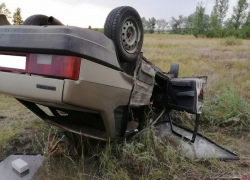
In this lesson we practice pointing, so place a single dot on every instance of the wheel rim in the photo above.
(130, 36)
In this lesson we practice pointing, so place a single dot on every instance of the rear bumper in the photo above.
(25, 87)
(99, 89)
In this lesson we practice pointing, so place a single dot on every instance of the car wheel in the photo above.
(174, 69)
(36, 20)
(124, 26)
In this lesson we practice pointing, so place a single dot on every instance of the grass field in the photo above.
(226, 118)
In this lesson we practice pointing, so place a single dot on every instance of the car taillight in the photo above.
(67, 67)
(201, 92)
(63, 67)
(201, 95)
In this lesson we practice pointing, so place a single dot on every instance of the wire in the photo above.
(160, 115)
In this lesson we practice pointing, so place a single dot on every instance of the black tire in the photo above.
(124, 26)
(174, 69)
(36, 20)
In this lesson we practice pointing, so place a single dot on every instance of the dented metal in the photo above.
(144, 81)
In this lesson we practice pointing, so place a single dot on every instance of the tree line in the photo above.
(213, 25)
(151, 25)
(16, 18)
(198, 23)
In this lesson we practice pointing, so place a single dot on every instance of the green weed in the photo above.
(227, 109)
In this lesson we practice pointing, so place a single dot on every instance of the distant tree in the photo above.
(200, 21)
(239, 14)
(5, 10)
(223, 6)
(214, 22)
(89, 27)
(247, 22)
(216, 7)
(245, 29)
(17, 18)
(219, 13)
(228, 24)
(182, 25)
(214, 18)
(151, 24)
(144, 24)
(186, 25)
(161, 25)
(189, 22)
(164, 25)
(176, 24)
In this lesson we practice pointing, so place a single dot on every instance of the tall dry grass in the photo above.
(227, 68)
(231, 41)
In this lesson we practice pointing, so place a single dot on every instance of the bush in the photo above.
(151, 31)
(243, 33)
(227, 109)
(216, 33)
(231, 41)
(201, 36)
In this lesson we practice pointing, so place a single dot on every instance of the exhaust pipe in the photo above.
(3, 20)
(54, 21)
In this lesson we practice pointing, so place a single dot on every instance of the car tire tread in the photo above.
(37, 19)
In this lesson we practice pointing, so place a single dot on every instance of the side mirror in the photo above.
(174, 70)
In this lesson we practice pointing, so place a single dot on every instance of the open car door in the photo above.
(186, 94)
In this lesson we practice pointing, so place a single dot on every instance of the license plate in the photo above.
(13, 62)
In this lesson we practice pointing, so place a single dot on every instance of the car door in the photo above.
(186, 94)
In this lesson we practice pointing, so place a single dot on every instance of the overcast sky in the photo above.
(83, 13)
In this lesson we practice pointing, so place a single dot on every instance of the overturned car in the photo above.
(97, 85)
